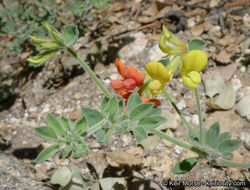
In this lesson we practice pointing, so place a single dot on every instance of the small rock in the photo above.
(190, 23)
(178, 149)
(243, 69)
(137, 43)
(14, 175)
(236, 84)
(214, 3)
(171, 121)
(181, 104)
(233, 173)
(195, 119)
(215, 32)
(115, 76)
(77, 96)
(155, 53)
(33, 115)
(246, 20)
(198, 30)
(75, 115)
(46, 108)
(223, 57)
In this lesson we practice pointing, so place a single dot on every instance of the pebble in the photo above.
(195, 119)
(134, 48)
(178, 149)
(46, 108)
(155, 53)
(243, 69)
(236, 84)
(246, 138)
(181, 104)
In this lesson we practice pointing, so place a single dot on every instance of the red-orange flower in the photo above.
(131, 79)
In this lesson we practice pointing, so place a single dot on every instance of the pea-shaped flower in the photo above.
(160, 74)
(193, 63)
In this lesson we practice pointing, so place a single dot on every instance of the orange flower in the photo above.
(131, 79)
(155, 101)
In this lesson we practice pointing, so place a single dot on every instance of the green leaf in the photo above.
(66, 152)
(100, 136)
(70, 34)
(113, 106)
(227, 155)
(223, 137)
(104, 104)
(151, 122)
(141, 111)
(93, 116)
(134, 100)
(46, 153)
(229, 146)
(46, 133)
(81, 149)
(66, 123)
(212, 134)
(140, 134)
(184, 166)
(62, 176)
(55, 124)
(81, 125)
(121, 104)
(8, 27)
(156, 111)
(43, 57)
(196, 44)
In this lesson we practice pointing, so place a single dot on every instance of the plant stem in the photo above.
(197, 97)
(95, 128)
(88, 69)
(176, 141)
(180, 114)
(230, 163)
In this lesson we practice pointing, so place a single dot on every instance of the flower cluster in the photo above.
(131, 79)
(158, 73)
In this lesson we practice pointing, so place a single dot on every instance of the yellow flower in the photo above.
(156, 86)
(161, 74)
(193, 63)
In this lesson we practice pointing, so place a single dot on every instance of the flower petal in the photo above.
(195, 60)
(129, 84)
(156, 86)
(120, 68)
(157, 71)
(155, 101)
(132, 73)
(116, 84)
(188, 82)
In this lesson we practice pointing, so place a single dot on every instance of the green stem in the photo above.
(197, 97)
(95, 128)
(176, 141)
(88, 69)
(230, 163)
(180, 114)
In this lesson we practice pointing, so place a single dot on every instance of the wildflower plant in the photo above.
(138, 111)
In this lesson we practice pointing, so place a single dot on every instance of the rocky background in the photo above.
(130, 30)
